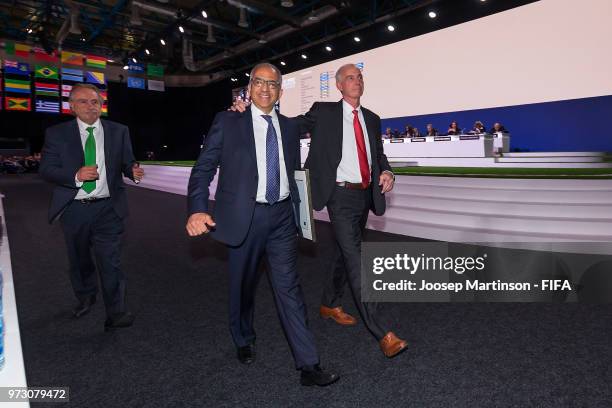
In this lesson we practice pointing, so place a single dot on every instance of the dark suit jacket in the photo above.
(324, 122)
(230, 144)
(62, 156)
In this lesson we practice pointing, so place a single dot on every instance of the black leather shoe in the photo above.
(246, 354)
(118, 320)
(84, 306)
(316, 376)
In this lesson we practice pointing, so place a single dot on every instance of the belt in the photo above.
(278, 202)
(352, 186)
(92, 200)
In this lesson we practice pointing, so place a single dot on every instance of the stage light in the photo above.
(147, 51)
(181, 29)
(328, 48)
(83, 39)
(357, 39)
(304, 56)
(125, 67)
(204, 14)
(432, 14)
(247, 74)
(134, 60)
(29, 31)
(161, 40)
(110, 60)
(283, 63)
(391, 27)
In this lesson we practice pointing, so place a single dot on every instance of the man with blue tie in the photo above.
(256, 208)
(86, 159)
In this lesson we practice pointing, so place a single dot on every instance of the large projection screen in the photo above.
(551, 50)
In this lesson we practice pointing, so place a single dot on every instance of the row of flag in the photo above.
(66, 57)
(51, 86)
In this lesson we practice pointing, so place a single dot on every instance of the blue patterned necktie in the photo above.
(272, 163)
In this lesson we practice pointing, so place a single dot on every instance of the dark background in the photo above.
(177, 118)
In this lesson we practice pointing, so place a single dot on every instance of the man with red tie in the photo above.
(349, 175)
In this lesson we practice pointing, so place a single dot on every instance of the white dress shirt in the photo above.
(348, 169)
(260, 130)
(101, 189)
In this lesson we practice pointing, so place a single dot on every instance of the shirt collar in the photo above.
(348, 108)
(83, 126)
(256, 112)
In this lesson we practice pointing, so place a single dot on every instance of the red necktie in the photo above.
(364, 167)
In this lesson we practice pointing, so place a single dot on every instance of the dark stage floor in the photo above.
(179, 352)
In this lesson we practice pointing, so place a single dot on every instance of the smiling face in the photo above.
(263, 93)
(86, 105)
(350, 83)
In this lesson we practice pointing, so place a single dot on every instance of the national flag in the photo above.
(22, 50)
(155, 70)
(96, 62)
(16, 68)
(17, 104)
(104, 110)
(156, 85)
(41, 55)
(9, 47)
(74, 75)
(16, 85)
(66, 90)
(46, 89)
(95, 77)
(136, 68)
(104, 94)
(43, 105)
(45, 71)
(137, 83)
(72, 58)
(66, 107)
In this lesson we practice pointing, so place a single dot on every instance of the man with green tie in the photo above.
(86, 159)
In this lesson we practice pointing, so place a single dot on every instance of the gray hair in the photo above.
(94, 88)
(339, 71)
(267, 65)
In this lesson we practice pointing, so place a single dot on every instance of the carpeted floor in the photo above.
(179, 352)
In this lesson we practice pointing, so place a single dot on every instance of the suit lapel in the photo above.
(372, 133)
(108, 144)
(246, 125)
(338, 130)
(288, 154)
(75, 143)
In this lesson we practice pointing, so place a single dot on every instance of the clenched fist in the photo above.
(199, 223)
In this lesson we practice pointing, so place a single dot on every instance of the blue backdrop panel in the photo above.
(571, 125)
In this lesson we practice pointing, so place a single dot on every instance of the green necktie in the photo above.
(90, 158)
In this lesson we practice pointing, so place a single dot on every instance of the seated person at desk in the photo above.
(388, 134)
(411, 132)
(498, 127)
(454, 129)
(478, 128)
(431, 131)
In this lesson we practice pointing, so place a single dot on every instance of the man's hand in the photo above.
(87, 173)
(238, 106)
(137, 172)
(199, 223)
(386, 181)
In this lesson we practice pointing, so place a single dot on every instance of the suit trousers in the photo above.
(272, 232)
(348, 212)
(96, 226)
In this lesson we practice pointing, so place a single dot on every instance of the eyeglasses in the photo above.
(259, 82)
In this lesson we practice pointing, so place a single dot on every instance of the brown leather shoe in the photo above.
(338, 315)
(391, 345)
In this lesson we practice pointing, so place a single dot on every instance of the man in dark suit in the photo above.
(349, 175)
(85, 158)
(256, 204)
